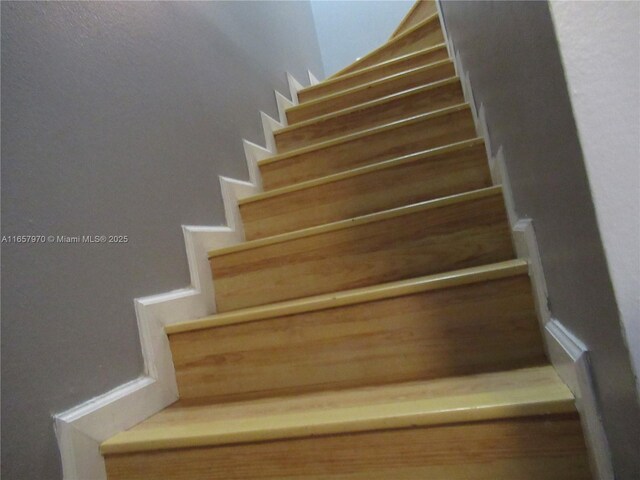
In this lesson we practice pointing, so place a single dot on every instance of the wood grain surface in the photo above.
(507, 394)
(420, 10)
(423, 132)
(420, 336)
(549, 448)
(435, 96)
(374, 90)
(402, 181)
(430, 237)
(390, 67)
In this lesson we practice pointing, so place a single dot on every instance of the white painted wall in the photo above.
(600, 49)
(348, 30)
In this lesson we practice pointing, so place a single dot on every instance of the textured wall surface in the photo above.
(511, 52)
(117, 118)
(606, 105)
(348, 29)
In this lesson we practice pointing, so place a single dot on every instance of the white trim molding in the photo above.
(283, 103)
(82, 429)
(313, 80)
(568, 355)
(294, 87)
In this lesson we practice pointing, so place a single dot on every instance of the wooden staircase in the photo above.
(376, 323)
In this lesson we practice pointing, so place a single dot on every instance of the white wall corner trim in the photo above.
(569, 356)
(81, 429)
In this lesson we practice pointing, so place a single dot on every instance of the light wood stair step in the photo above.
(501, 426)
(422, 132)
(418, 12)
(511, 393)
(453, 232)
(426, 33)
(398, 331)
(400, 181)
(434, 96)
(376, 72)
(406, 80)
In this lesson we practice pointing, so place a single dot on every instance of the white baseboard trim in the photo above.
(312, 78)
(283, 103)
(81, 429)
(572, 361)
(294, 88)
(568, 355)
(269, 125)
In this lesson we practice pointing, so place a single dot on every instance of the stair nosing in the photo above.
(365, 86)
(400, 59)
(399, 288)
(371, 131)
(369, 104)
(354, 172)
(391, 41)
(360, 220)
(517, 402)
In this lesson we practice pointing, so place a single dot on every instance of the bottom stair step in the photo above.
(518, 424)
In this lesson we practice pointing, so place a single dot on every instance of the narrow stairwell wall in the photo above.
(511, 54)
(117, 118)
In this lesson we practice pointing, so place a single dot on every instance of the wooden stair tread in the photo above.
(419, 10)
(363, 106)
(396, 138)
(394, 81)
(396, 106)
(431, 172)
(379, 53)
(413, 157)
(366, 294)
(368, 85)
(364, 133)
(451, 232)
(387, 68)
(509, 394)
(373, 217)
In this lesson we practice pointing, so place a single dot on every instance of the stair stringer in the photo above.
(568, 355)
(81, 429)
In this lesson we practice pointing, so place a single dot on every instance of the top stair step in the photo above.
(417, 77)
(376, 72)
(427, 33)
(418, 12)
